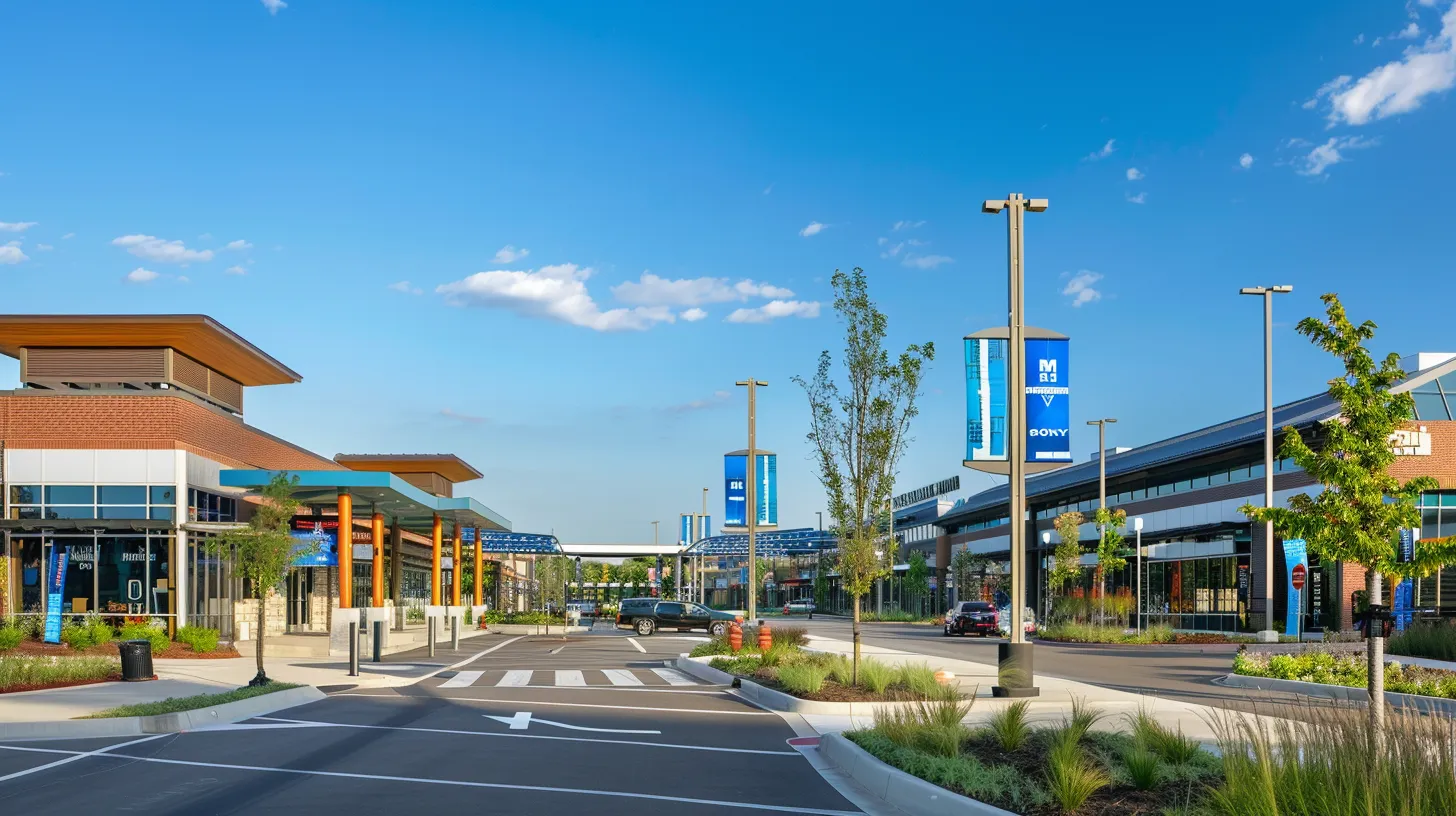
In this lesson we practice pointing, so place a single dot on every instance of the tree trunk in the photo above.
(855, 669)
(1375, 652)
(261, 677)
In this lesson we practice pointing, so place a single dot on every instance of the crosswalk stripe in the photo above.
(674, 677)
(516, 677)
(463, 679)
(566, 677)
(622, 677)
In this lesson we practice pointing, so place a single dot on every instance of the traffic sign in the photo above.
(1296, 577)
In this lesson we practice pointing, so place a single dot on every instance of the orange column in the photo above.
(378, 567)
(479, 570)
(346, 551)
(455, 569)
(438, 539)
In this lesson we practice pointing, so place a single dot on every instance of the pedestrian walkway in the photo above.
(567, 678)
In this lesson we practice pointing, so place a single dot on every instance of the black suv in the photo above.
(647, 615)
(972, 616)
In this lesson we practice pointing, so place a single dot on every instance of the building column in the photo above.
(437, 538)
(396, 562)
(455, 568)
(376, 574)
(479, 596)
(346, 550)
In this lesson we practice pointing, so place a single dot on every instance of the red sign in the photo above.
(1296, 577)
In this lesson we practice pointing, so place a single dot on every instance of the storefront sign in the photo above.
(1407, 551)
(317, 545)
(55, 590)
(1411, 443)
(1294, 556)
(1317, 598)
(921, 494)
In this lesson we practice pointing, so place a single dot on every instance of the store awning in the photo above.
(376, 492)
(772, 544)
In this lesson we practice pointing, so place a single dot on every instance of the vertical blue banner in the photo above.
(707, 528)
(1048, 402)
(685, 530)
(735, 493)
(1294, 555)
(985, 400)
(55, 591)
(766, 496)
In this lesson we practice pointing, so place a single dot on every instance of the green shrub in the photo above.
(934, 728)
(782, 655)
(1071, 776)
(91, 631)
(1083, 718)
(1142, 767)
(841, 668)
(1010, 727)
(38, 670)
(1001, 785)
(875, 676)
(801, 678)
(10, 637)
(199, 638)
(142, 631)
(919, 679)
(1170, 745)
(744, 665)
(30, 624)
(790, 635)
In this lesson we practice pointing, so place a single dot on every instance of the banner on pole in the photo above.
(55, 591)
(1295, 555)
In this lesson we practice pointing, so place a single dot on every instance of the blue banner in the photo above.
(766, 496)
(55, 591)
(1294, 555)
(317, 546)
(735, 496)
(1048, 402)
(707, 528)
(1403, 604)
(985, 400)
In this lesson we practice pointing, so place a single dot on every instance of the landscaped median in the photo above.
(1319, 672)
(169, 715)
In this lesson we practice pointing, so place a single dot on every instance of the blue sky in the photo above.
(549, 237)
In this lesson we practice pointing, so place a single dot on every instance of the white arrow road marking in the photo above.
(523, 720)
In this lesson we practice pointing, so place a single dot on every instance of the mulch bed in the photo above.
(833, 692)
(175, 651)
(44, 686)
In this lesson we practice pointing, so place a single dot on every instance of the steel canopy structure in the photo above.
(806, 541)
(376, 491)
(492, 541)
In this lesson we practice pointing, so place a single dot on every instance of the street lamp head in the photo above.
(1283, 290)
(1252, 290)
(1046, 537)
(1036, 204)
(993, 207)
(1137, 524)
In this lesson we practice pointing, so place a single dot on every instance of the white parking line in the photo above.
(516, 677)
(452, 782)
(462, 700)
(75, 756)
(622, 677)
(674, 677)
(634, 642)
(463, 679)
(570, 678)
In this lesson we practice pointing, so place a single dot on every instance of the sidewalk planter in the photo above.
(534, 629)
(775, 700)
(162, 723)
(1356, 694)
(893, 786)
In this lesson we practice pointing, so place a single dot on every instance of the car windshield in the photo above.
(976, 606)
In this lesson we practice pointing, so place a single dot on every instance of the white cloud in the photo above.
(44, 247)
(651, 290)
(509, 254)
(916, 242)
(1140, 198)
(239, 245)
(1079, 288)
(68, 236)
(718, 398)
(1410, 32)
(899, 225)
(1329, 153)
(274, 6)
(1325, 90)
(1359, 38)
(1399, 87)
(890, 250)
(236, 270)
(1107, 150)
(693, 315)
(814, 228)
(183, 279)
(1134, 174)
(156, 249)
(775, 309)
(926, 261)
(10, 253)
(405, 287)
(554, 292)
(1246, 161)
(16, 226)
(140, 275)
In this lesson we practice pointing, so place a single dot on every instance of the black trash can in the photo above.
(136, 660)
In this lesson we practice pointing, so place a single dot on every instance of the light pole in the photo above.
(1268, 293)
(1015, 657)
(1049, 561)
(1101, 486)
(750, 511)
(702, 533)
(1137, 526)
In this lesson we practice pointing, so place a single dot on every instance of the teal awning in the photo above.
(377, 492)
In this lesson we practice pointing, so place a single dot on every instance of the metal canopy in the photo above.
(774, 544)
(376, 492)
(513, 543)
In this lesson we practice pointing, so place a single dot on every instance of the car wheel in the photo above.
(645, 626)
(718, 629)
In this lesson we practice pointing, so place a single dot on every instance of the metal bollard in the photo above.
(455, 632)
(378, 640)
(353, 648)
(431, 637)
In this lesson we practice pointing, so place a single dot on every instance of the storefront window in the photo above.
(121, 575)
(79, 593)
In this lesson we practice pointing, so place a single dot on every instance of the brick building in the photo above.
(1204, 563)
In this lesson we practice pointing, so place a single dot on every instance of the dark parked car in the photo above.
(647, 615)
(978, 617)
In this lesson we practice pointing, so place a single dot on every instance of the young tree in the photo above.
(821, 582)
(917, 577)
(1109, 550)
(1067, 557)
(264, 551)
(859, 433)
(1358, 515)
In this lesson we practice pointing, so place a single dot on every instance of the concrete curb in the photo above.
(777, 700)
(162, 723)
(893, 786)
(1418, 702)
(532, 629)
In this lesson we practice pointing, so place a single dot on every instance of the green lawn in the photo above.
(174, 704)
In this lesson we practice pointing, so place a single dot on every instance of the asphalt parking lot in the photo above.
(594, 722)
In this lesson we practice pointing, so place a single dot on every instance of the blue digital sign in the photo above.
(766, 496)
(765, 493)
(735, 491)
(318, 545)
(1295, 555)
(685, 535)
(1048, 402)
(985, 400)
